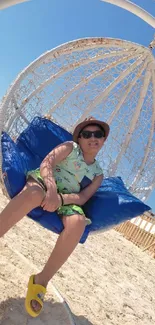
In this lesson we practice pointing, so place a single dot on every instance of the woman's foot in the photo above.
(35, 304)
(35, 295)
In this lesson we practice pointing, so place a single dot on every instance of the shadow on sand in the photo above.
(12, 312)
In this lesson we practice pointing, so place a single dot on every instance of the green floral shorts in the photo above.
(65, 210)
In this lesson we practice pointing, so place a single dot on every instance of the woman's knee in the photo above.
(33, 192)
(76, 221)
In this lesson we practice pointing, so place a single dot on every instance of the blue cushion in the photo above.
(41, 136)
(114, 204)
(111, 204)
(13, 166)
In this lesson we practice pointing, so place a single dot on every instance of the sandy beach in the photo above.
(107, 281)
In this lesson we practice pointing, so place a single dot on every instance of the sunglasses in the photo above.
(88, 134)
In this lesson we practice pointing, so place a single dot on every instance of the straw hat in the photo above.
(88, 121)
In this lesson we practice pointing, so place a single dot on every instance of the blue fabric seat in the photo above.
(111, 204)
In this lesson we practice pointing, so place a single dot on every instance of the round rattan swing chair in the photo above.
(110, 79)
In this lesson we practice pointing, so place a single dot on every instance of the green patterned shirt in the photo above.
(73, 174)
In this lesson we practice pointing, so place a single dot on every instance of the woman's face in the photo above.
(92, 144)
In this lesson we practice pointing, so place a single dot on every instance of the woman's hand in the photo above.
(52, 201)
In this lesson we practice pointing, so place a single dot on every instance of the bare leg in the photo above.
(29, 198)
(66, 243)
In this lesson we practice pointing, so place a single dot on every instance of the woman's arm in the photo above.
(82, 197)
(51, 160)
(52, 200)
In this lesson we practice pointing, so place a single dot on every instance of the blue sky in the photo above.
(29, 29)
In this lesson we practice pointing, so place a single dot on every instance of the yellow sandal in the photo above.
(34, 292)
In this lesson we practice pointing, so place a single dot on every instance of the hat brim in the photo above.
(83, 124)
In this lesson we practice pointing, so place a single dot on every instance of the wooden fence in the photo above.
(140, 231)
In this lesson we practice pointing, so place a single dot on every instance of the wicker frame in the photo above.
(111, 79)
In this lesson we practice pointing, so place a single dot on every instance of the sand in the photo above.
(106, 281)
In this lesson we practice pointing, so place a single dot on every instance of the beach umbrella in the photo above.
(110, 79)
